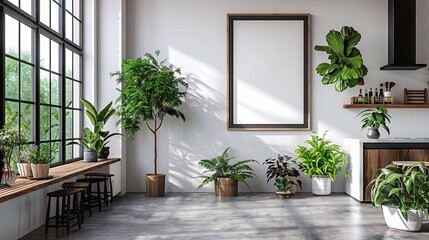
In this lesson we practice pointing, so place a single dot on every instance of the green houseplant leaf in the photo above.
(346, 68)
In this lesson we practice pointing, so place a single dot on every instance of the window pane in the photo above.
(26, 123)
(55, 153)
(76, 94)
(76, 66)
(69, 124)
(15, 2)
(76, 8)
(77, 126)
(44, 123)
(69, 93)
(55, 89)
(55, 57)
(26, 82)
(11, 41)
(12, 114)
(77, 151)
(27, 5)
(12, 78)
(44, 52)
(76, 31)
(69, 26)
(69, 63)
(69, 152)
(26, 43)
(44, 12)
(55, 20)
(44, 87)
(55, 115)
(69, 5)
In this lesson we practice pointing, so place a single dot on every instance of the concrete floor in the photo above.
(249, 216)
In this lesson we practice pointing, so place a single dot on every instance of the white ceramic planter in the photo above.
(40, 170)
(321, 185)
(24, 169)
(394, 219)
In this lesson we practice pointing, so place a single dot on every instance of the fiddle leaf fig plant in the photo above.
(346, 68)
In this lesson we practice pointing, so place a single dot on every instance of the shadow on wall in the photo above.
(208, 114)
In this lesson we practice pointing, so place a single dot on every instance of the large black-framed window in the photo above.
(41, 73)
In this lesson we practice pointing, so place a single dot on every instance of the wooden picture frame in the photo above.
(268, 72)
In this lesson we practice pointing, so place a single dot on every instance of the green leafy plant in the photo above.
(375, 118)
(283, 184)
(281, 167)
(91, 141)
(346, 68)
(151, 91)
(407, 189)
(24, 153)
(41, 155)
(10, 139)
(321, 158)
(221, 168)
(98, 120)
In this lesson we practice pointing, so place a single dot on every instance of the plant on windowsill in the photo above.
(346, 68)
(91, 143)
(10, 139)
(23, 162)
(151, 90)
(226, 175)
(373, 119)
(281, 168)
(98, 121)
(321, 161)
(403, 194)
(40, 159)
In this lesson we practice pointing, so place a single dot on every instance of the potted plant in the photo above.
(346, 68)
(40, 160)
(283, 187)
(373, 119)
(98, 120)
(281, 168)
(10, 139)
(321, 161)
(151, 90)
(91, 143)
(225, 175)
(23, 162)
(403, 195)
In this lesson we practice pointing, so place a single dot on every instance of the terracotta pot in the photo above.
(155, 185)
(227, 187)
(24, 169)
(40, 170)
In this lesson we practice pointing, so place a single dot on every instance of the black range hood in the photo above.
(402, 36)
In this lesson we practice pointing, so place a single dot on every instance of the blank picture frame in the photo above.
(268, 72)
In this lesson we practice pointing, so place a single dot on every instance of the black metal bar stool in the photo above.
(94, 199)
(68, 204)
(107, 193)
(84, 201)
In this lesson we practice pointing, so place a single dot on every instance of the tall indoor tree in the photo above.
(151, 90)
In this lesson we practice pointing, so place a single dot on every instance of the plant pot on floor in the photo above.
(40, 170)
(24, 169)
(90, 156)
(226, 187)
(321, 185)
(104, 153)
(155, 185)
(394, 219)
(284, 195)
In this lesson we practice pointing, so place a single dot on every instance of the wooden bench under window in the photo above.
(60, 173)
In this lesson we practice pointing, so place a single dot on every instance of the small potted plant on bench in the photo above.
(40, 160)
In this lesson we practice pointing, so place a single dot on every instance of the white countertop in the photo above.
(391, 140)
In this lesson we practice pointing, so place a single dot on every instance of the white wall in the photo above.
(192, 35)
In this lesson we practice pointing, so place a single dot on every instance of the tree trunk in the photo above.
(155, 152)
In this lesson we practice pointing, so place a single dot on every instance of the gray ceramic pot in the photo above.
(373, 133)
(90, 156)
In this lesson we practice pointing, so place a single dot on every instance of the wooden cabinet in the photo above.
(366, 156)
(373, 159)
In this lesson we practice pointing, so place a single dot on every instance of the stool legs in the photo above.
(99, 196)
(48, 211)
(111, 190)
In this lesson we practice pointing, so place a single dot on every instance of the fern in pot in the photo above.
(322, 160)
(226, 175)
(403, 194)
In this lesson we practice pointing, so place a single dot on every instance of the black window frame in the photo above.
(33, 21)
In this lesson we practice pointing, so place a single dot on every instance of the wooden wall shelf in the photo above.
(386, 105)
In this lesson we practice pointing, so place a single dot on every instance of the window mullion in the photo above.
(36, 89)
(2, 68)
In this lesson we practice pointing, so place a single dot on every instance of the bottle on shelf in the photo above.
(370, 94)
(376, 96)
(360, 97)
(366, 96)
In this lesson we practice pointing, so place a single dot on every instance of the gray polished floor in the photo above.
(249, 216)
